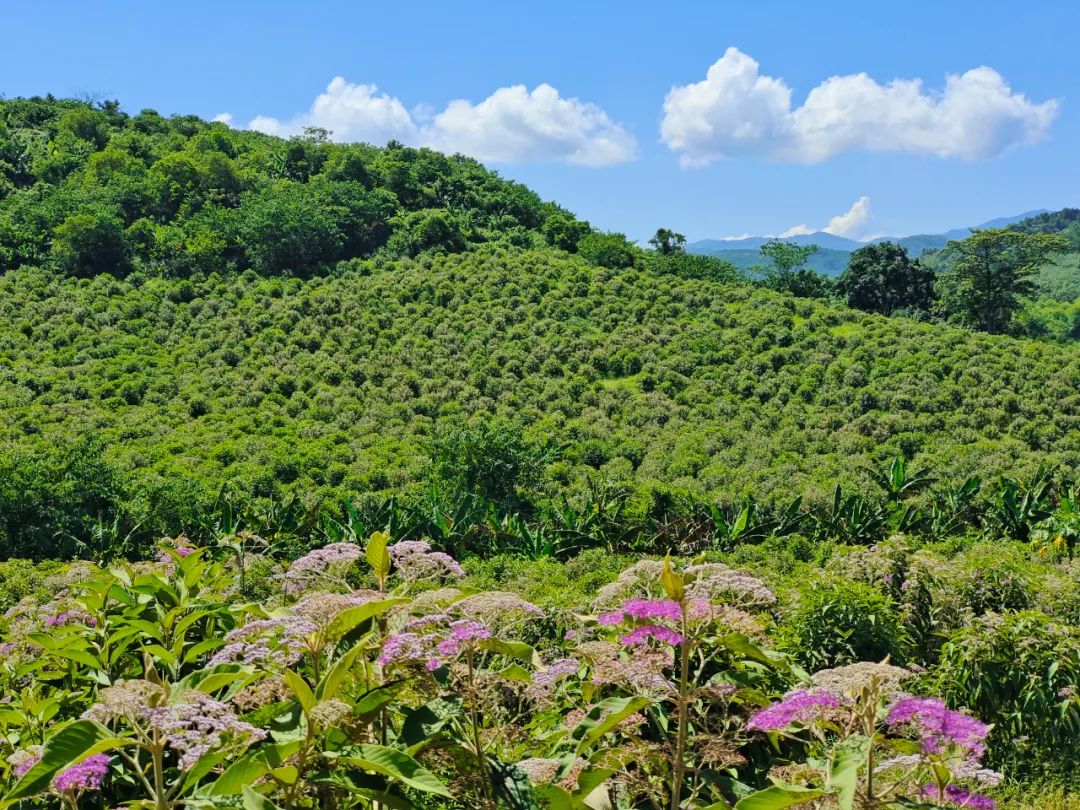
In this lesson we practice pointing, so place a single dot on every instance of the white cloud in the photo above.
(352, 112)
(852, 223)
(511, 125)
(735, 111)
(223, 118)
(515, 125)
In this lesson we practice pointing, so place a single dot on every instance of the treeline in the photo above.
(1019, 280)
(482, 498)
(88, 189)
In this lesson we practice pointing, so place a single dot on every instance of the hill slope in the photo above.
(335, 385)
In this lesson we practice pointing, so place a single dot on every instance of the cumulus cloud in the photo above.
(515, 125)
(352, 112)
(736, 111)
(851, 223)
(512, 125)
(223, 118)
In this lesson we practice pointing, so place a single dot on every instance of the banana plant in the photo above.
(898, 483)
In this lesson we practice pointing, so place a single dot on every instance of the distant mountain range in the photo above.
(833, 251)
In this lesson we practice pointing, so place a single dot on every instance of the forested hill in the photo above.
(88, 189)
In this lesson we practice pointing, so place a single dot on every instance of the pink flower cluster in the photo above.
(28, 761)
(414, 561)
(938, 726)
(545, 679)
(641, 635)
(799, 706)
(959, 797)
(649, 611)
(200, 725)
(279, 642)
(444, 638)
(87, 775)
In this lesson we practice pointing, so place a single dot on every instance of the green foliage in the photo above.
(611, 250)
(881, 278)
(89, 190)
(1021, 672)
(666, 242)
(490, 460)
(787, 271)
(838, 622)
(989, 271)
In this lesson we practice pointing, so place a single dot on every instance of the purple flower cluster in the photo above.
(87, 775)
(70, 617)
(958, 797)
(199, 725)
(431, 639)
(279, 642)
(545, 679)
(938, 726)
(649, 611)
(24, 762)
(327, 563)
(414, 561)
(800, 706)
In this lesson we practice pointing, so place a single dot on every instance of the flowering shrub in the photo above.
(873, 746)
(376, 677)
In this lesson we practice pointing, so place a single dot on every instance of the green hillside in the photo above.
(336, 385)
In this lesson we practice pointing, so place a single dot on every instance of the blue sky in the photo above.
(736, 154)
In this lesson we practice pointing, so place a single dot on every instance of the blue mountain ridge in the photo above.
(833, 250)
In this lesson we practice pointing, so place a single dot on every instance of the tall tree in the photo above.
(883, 278)
(667, 241)
(787, 270)
(990, 271)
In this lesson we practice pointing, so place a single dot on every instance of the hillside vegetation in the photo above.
(188, 309)
(325, 373)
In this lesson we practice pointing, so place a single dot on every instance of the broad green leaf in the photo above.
(378, 556)
(211, 679)
(515, 672)
(253, 765)
(673, 583)
(778, 797)
(374, 699)
(253, 800)
(603, 717)
(555, 797)
(301, 689)
(424, 722)
(330, 684)
(847, 757)
(351, 618)
(161, 654)
(511, 786)
(393, 764)
(512, 649)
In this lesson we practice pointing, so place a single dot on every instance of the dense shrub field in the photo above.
(357, 385)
